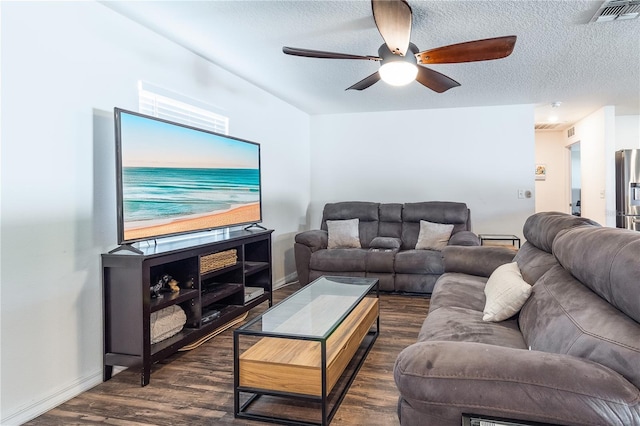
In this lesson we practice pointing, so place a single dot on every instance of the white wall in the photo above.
(551, 193)
(65, 65)
(627, 132)
(596, 134)
(480, 156)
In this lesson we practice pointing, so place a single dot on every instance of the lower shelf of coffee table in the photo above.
(295, 366)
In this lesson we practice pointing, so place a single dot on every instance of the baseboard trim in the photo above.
(288, 279)
(58, 397)
(63, 395)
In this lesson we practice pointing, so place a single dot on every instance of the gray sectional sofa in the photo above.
(570, 357)
(388, 233)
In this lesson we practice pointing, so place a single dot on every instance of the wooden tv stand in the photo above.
(216, 297)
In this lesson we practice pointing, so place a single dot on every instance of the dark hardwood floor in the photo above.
(196, 387)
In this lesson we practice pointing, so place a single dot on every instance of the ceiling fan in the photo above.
(400, 60)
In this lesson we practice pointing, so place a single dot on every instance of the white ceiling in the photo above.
(559, 55)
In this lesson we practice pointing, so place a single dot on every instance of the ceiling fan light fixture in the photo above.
(398, 73)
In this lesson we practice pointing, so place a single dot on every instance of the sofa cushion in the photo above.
(439, 381)
(607, 260)
(343, 233)
(339, 260)
(390, 224)
(533, 262)
(380, 260)
(433, 236)
(505, 293)
(458, 290)
(466, 325)
(541, 229)
(565, 317)
(446, 212)
(419, 262)
(365, 212)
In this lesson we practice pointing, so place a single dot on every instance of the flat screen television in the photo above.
(176, 179)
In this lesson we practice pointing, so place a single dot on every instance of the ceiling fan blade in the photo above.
(393, 19)
(434, 80)
(471, 51)
(327, 55)
(366, 82)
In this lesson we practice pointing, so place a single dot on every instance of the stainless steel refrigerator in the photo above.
(628, 189)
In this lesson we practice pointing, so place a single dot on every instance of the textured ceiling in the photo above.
(559, 55)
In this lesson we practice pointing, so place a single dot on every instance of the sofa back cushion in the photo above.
(365, 212)
(588, 304)
(541, 229)
(563, 316)
(533, 262)
(390, 224)
(607, 261)
(456, 214)
(534, 257)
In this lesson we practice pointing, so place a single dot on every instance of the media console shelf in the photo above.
(212, 273)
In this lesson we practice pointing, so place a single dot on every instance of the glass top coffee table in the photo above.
(300, 357)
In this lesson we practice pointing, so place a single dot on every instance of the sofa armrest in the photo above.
(315, 239)
(480, 261)
(464, 238)
(445, 379)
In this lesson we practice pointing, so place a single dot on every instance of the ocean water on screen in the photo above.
(152, 193)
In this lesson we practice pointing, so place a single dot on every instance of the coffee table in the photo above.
(294, 363)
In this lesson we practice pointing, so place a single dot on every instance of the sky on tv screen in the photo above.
(151, 143)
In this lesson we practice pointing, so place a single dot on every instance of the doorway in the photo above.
(575, 180)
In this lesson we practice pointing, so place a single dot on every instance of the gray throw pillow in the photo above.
(343, 233)
(433, 236)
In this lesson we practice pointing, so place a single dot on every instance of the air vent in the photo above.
(548, 126)
(571, 132)
(617, 10)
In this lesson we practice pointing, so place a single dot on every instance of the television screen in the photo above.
(175, 179)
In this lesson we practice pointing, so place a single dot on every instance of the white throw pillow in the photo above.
(343, 233)
(505, 292)
(433, 236)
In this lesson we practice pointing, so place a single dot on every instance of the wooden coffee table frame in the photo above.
(341, 354)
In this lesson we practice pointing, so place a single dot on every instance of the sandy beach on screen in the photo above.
(242, 214)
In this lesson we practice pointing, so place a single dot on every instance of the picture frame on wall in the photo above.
(541, 172)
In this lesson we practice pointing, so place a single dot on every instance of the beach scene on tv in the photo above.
(177, 179)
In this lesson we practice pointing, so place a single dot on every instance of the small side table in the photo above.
(499, 237)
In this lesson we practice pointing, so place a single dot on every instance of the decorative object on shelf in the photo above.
(167, 284)
(166, 323)
(155, 289)
(173, 285)
(214, 261)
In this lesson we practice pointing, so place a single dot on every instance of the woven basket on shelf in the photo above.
(219, 260)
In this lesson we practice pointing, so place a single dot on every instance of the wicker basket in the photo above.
(214, 261)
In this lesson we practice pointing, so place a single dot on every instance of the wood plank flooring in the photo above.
(196, 387)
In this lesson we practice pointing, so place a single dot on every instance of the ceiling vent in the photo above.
(549, 126)
(617, 10)
(571, 132)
